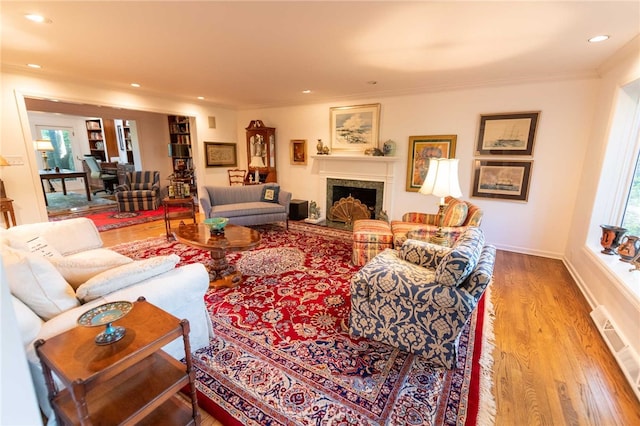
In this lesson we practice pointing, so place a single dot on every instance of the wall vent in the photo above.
(626, 357)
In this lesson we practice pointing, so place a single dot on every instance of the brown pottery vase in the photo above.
(629, 247)
(610, 239)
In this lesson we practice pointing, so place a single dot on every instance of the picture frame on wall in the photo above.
(298, 151)
(506, 180)
(220, 154)
(421, 148)
(354, 128)
(507, 134)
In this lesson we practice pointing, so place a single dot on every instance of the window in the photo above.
(61, 139)
(631, 217)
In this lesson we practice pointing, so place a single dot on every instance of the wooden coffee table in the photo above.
(235, 238)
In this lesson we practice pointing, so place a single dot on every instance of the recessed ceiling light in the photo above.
(34, 66)
(306, 91)
(34, 17)
(201, 98)
(135, 85)
(598, 39)
(372, 82)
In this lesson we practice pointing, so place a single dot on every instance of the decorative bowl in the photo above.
(216, 224)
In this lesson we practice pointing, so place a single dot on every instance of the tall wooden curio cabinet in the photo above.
(261, 151)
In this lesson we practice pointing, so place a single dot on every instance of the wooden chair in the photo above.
(236, 177)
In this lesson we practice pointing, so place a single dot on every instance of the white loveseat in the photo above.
(56, 271)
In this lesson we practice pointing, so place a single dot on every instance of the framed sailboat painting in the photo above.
(507, 134)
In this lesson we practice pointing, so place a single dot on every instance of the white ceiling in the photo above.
(257, 54)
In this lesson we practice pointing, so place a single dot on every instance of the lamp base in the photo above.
(440, 240)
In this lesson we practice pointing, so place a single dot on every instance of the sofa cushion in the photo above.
(125, 275)
(67, 236)
(270, 194)
(423, 253)
(458, 264)
(78, 268)
(245, 209)
(37, 283)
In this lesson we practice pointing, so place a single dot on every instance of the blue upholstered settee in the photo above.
(418, 298)
(247, 205)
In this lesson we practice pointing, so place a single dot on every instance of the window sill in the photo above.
(620, 271)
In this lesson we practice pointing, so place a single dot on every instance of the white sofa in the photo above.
(56, 271)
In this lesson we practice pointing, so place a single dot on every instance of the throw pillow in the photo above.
(37, 283)
(455, 213)
(41, 246)
(423, 253)
(270, 194)
(462, 260)
(125, 275)
(80, 267)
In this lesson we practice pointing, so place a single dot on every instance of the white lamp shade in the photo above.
(43, 145)
(442, 178)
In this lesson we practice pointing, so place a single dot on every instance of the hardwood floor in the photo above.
(551, 367)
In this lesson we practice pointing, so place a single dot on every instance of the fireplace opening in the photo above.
(350, 200)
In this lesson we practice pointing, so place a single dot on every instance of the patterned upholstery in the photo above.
(140, 191)
(370, 237)
(458, 213)
(398, 301)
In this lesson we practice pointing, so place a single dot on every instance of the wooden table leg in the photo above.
(86, 187)
(221, 273)
(46, 202)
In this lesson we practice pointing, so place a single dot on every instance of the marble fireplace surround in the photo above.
(359, 171)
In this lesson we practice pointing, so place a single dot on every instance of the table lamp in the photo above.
(44, 145)
(441, 181)
(3, 163)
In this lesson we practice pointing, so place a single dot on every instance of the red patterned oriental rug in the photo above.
(113, 219)
(282, 354)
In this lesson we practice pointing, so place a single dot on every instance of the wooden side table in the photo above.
(129, 381)
(6, 207)
(188, 202)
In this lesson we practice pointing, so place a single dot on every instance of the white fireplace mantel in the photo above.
(356, 167)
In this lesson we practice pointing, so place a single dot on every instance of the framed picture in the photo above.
(355, 128)
(220, 154)
(421, 148)
(298, 151)
(507, 134)
(507, 180)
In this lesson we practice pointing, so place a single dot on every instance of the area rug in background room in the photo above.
(282, 355)
(76, 204)
(113, 219)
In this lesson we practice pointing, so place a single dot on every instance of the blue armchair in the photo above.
(419, 298)
(140, 191)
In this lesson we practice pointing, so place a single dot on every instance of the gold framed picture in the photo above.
(421, 148)
(298, 151)
(220, 154)
(354, 128)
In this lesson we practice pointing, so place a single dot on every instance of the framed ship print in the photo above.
(507, 134)
(506, 180)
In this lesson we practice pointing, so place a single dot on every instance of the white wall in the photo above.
(594, 271)
(538, 227)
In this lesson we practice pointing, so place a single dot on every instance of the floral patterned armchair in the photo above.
(419, 298)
